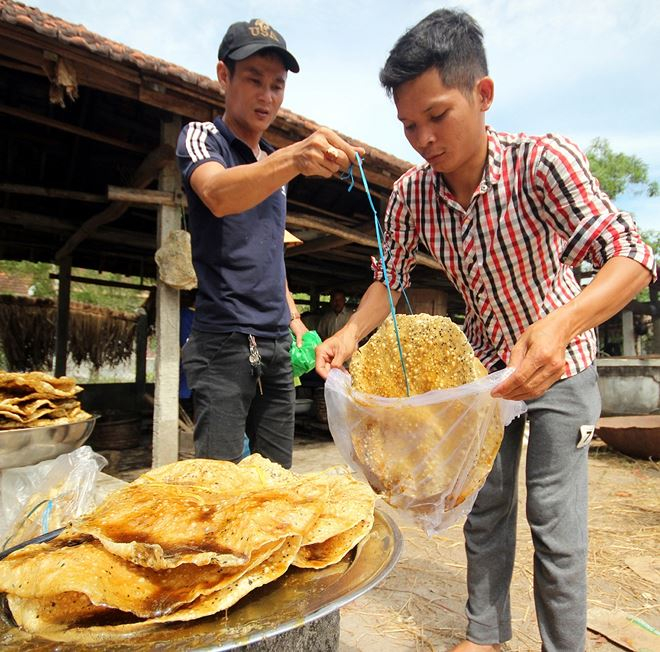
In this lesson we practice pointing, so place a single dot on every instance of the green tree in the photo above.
(37, 275)
(616, 170)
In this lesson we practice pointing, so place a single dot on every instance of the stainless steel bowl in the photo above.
(24, 446)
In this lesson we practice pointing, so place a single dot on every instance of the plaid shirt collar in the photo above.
(491, 174)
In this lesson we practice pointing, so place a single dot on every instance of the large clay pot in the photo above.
(637, 436)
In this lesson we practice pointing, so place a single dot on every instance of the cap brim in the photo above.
(248, 50)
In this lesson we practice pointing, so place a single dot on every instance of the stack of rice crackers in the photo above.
(35, 399)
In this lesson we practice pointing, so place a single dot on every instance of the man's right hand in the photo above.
(323, 154)
(373, 308)
(332, 353)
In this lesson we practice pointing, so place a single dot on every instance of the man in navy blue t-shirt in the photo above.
(237, 357)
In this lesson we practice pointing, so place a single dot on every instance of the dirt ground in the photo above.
(420, 605)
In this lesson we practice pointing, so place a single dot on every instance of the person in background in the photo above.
(336, 316)
(311, 319)
(507, 216)
(237, 356)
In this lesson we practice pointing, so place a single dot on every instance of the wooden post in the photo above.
(166, 391)
(628, 333)
(62, 328)
(655, 311)
(141, 339)
(315, 304)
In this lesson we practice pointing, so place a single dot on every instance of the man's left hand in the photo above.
(538, 357)
(298, 329)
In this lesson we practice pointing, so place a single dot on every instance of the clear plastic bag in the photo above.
(427, 454)
(40, 498)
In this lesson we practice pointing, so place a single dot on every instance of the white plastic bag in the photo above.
(40, 498)
(427, 454)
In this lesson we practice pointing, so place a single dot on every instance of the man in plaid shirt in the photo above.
(507, 217)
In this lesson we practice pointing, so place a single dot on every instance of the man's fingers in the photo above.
(331, 154)
(520, 388)
(329, 355)
(322, 366)
(348, 150)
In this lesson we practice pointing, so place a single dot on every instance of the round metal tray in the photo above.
(295, 599)
(24, 446)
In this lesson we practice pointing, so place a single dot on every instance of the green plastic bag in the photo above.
(303, 359)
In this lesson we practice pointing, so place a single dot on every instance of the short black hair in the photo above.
(231, 65)
(449, 40)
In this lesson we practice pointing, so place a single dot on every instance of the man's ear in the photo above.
(485, 92)
(223, 74)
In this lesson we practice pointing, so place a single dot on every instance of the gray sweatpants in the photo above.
(556, 513)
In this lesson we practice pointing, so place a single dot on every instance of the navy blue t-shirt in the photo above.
(239, 259)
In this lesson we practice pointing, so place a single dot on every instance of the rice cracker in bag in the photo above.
(428, 453)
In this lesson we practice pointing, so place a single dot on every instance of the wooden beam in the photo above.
(143, 176)
(313, 246)
(105, 282)
(151, 197)
(47, 224)
(351, 235)
(55, 193)
(325, 243)
(73, 129)
(317, 209)
(166, 388)
(343, 271)
(644, 308)
(62, 328)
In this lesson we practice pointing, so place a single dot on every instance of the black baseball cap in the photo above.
(243, 39)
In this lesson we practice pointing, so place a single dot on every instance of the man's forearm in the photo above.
(233, 190)
(373, 309)
(613, 287)
(291, 302)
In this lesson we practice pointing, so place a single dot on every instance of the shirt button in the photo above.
(484, 186)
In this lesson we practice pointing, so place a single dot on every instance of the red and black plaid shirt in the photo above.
(537, 213)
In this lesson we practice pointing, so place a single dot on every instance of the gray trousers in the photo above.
(228, 403)
(557, 515)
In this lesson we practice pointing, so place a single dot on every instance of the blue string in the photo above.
(405, 294)
(382, 262)
(344, 176)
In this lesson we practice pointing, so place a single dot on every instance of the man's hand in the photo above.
(323, 154)
(332, 353)
(298, 329)
(538, 357)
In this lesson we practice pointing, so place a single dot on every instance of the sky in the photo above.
(581, 68)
